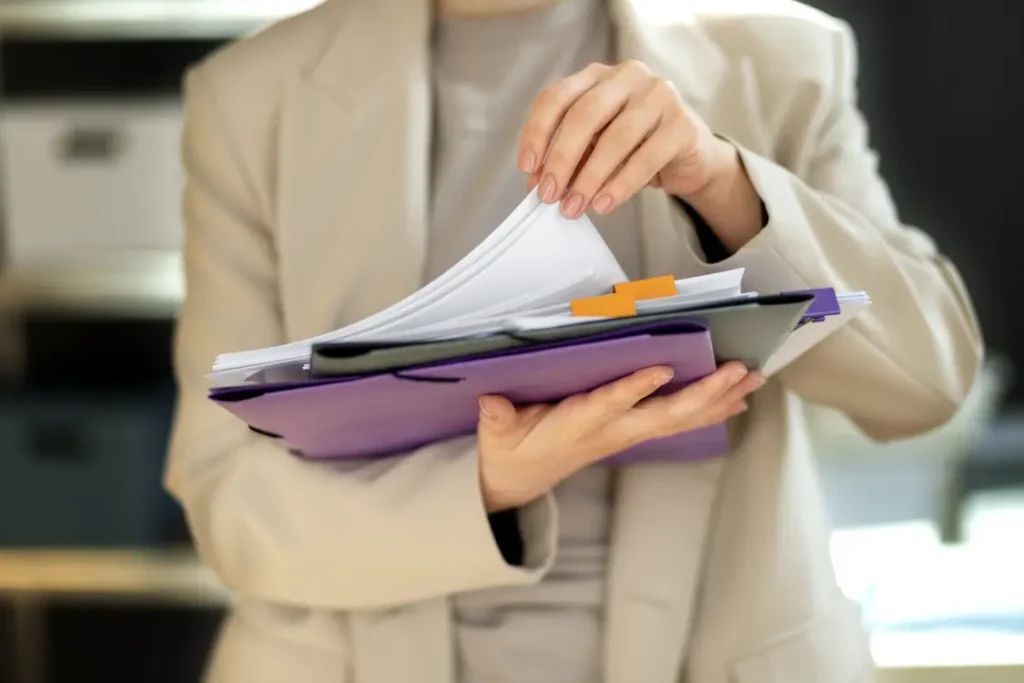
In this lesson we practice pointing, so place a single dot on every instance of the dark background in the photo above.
(942, 85)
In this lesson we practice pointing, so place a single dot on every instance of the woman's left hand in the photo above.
(619, 129)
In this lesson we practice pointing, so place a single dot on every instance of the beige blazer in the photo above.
(307, 151)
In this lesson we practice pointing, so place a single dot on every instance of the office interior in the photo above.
(98, 578)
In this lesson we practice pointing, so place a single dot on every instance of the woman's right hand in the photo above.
(524, 452)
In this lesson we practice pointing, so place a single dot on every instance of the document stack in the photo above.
(539, 311)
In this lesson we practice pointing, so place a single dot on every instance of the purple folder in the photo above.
(825, 304)
(392, 413)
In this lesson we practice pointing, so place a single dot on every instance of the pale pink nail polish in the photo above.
(572, 206)
(603, 203)
(662, 378)
(548, 187)
(527, 162)
(484, 411)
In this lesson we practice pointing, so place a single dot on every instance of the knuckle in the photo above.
(532, 134)
(635, 66)
(679, 131)
(558, 161)
(714, 382)
(630, 126)
(615, 397)
(552, 95)
(665, 88)
(656, 429)
(575, 118)
(585, 112)
(576, 403)
(681, 413)
(608, 398)
(595, 68)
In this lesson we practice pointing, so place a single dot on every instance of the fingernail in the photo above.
(572, 206)
(736, 374)
(527, 162)
(663, 378)
(548, 187)
(483, 409)
(603, 203)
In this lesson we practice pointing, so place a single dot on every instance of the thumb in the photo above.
(497, 413)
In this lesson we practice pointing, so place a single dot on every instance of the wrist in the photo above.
(728, 201)
(724, 171)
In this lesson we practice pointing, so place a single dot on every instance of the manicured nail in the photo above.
(483, 409)
(548, 187)
(736, 374)
(662, 378)
(603, 203)
(527, 162)
(572, 206)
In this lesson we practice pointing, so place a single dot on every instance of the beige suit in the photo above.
(307, 156)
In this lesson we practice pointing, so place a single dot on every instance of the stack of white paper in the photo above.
(534, 259)
(522, 276)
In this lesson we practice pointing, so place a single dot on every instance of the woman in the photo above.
(342, 158)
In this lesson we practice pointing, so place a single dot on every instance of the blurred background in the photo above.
(97, 577)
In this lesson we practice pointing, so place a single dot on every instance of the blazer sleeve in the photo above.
(332, 535)
(905, 364)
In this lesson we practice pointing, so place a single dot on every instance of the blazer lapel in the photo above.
(352, 211)
(354, 158)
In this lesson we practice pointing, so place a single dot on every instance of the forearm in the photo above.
(905, 363)
(346, 535)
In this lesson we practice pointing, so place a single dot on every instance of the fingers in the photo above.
(582, 124)
(578, 115)
(631, 151)
(713, 386)
(613, 149)
(733, 402)
(717, 392)
(497, 414)
(636, 173)
(709, 401)
(500, 420)
(590, 410)
(534, 178)
(623, 394)
(739, 391)
(548, 111)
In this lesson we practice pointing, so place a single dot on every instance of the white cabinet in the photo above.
(84, 179)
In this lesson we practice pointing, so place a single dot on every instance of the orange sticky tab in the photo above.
(606, 306)
(651, 288)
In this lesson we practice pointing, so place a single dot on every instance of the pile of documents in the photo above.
(539, 311)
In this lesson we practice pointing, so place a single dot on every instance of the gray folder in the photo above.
(748, 330)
